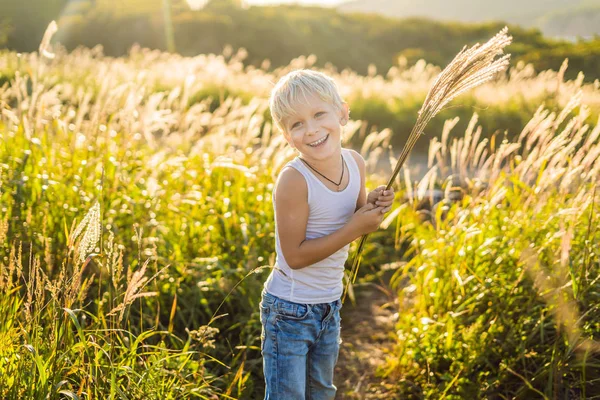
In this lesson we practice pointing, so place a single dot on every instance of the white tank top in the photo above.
(320, 282)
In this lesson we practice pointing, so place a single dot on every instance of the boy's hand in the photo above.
(366, 219)
(381, 198)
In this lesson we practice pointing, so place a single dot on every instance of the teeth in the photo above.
(318, 142)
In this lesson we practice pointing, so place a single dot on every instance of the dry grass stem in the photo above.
(471, 67)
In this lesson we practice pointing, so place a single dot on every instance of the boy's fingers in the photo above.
(374, 209)
(368, 207)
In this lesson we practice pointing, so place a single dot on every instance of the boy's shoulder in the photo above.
(357, 157)
(291, 182)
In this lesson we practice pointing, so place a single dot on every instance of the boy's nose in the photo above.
(312, 127)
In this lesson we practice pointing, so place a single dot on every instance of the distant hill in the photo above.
(553, 17)
(583, 21)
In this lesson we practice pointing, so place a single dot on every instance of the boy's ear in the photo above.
(344, 113)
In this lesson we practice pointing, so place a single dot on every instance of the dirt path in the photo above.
(367, 337)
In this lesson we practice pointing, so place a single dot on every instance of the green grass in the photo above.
(162, 300)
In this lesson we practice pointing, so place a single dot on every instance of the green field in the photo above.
(136, 228)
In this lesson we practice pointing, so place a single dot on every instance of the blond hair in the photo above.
(295, 87)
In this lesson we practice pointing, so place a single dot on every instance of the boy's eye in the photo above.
(295, 125)
(319, 113)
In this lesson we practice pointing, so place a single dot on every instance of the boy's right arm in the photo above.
(291, 205)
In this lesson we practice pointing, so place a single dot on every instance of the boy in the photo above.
(320, 207)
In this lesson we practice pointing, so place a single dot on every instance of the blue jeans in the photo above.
(300, 345)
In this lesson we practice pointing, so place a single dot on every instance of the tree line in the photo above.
(278, 33)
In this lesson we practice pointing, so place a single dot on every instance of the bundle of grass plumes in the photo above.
(470, 68)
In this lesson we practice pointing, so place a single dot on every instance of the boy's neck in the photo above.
(331, 165)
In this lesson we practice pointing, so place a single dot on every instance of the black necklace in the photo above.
(336, 184)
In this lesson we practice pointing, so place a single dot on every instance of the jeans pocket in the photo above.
(289, 310)
(264, 309)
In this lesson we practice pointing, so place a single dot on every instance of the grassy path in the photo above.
(367, 337)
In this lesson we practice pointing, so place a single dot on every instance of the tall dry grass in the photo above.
(502, 288)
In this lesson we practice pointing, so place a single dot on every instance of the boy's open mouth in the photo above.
(319, 142)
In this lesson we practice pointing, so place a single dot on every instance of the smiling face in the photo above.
(315, 128)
